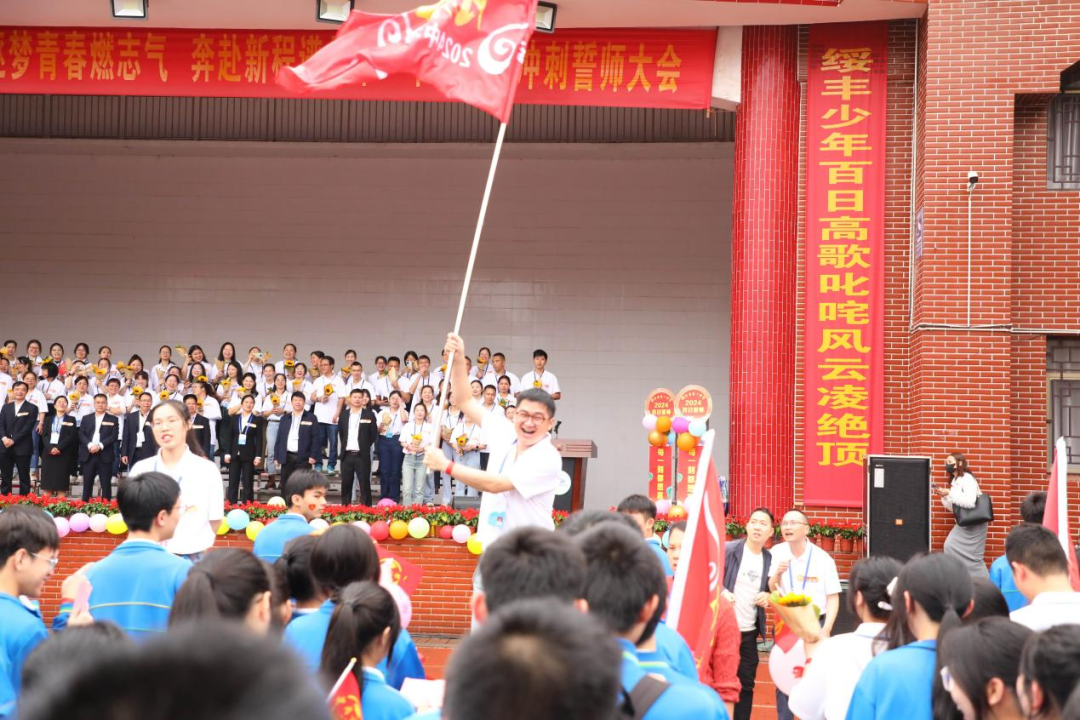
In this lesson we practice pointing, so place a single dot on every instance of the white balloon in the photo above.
(783, 666)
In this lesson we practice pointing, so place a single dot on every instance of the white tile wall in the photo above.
(613, 258)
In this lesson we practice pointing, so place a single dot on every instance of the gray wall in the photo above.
(614, 258)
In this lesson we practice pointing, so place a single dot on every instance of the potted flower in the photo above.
(734, 529)
(826, 536)
(847, 537)
(860, 538)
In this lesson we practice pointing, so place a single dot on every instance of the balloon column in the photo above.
(675, 431)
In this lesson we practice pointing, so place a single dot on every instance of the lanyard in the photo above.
(56, 423)
(806, 572)
(507, 455)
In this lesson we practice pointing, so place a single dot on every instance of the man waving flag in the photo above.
(468, 50)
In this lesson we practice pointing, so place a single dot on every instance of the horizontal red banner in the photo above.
(602, 67)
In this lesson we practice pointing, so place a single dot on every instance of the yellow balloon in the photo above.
(276, 501)
(474, 545)
(116, 525)
(223, 528)
(253, 529)
(419, 527)
(399, 529)
(339, 522)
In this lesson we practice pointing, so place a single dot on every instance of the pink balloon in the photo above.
(386, 502)
(649, 422)
(380, 530)
(662, 506)
(62, 526)
(680, 425)
(363, 525)
(446, 532)
(401, 598)
(80, 522)
(97, 523)
(461, 534)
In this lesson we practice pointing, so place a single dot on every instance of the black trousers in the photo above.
(356, 467)
(748, 664)
(241, 471)
(97, 466)
(8, 462)
(292, 462)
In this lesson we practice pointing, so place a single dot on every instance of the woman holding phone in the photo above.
(967, 544)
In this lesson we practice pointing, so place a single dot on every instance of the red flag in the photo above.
(468, 50)
(1056, 517)
(345, 702)
(695, 597)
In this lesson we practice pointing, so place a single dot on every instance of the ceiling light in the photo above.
(333, 11)
(129, 9)
(545, 16)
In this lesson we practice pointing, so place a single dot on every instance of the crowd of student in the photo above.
(65, 417)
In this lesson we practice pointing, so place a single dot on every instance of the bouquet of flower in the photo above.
(202, 378)
(75, 396)
(537, 384)
(462, 440)
(290, 363)
(99, 371)
(798, 612)
(136, 391)
(328, 389)
(164, 395)
(275, 399)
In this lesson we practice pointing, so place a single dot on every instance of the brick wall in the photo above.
(440, 603)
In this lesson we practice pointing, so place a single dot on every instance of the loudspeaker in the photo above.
(846, 621)
(897, 501)
(465, 502)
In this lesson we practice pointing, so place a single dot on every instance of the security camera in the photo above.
(973, 177)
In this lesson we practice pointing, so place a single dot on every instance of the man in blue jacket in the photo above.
(134, 585)
(297, 440)
(305, 491)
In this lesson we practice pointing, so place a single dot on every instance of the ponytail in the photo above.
(870, 578)
(363, 614)
(224, 584)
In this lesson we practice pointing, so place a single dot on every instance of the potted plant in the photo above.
(826, 536)
(860, 538)
(812, 533)
(734, 529)
(847, 537)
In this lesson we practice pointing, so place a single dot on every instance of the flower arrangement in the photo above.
(328, 389)
(163, 395)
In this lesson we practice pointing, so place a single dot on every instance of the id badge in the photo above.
(243, 439)
(54, 438)
(139, 438)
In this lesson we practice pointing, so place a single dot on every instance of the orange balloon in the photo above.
(676, 511)
(686, 441)
(657, 438)
(663, 424)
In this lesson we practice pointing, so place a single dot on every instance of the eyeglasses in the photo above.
(792, 523)
(946, 679)
(52, 561)
(535, 417)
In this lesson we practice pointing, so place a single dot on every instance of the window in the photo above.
(1063, 377)
(1063, 143)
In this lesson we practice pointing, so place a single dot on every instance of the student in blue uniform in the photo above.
(230, 584)
(1001, 574)
(305, 491)
(342, 555)
(365, 625)
(931, 594)
(980, 666)
(134, 585)
(642, 511)
(295, 565)
(625, 587)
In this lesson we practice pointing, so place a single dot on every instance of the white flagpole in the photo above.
(468, 279)
(341, 679)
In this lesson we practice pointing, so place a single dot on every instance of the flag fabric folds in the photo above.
(468, 50)
(1056, 517)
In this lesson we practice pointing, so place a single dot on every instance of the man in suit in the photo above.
(138, 443)
(97, 441)
(297, 440)
(18, 419)
(200, 425)
(245, 449)
(357, 432)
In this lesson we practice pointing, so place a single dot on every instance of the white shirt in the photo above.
(383, 386)
(426, 430)
(157, 375)
(302, 386)
(829, 680)
(352, 438)
(814, 572)
(747, 587)
(96, 440)
(547, 380)
(37, 398)
(280, 367)
(293, 443)
(268, 404)
(515, 381)
(324, 411)
(6, 381)
(202, 501)
(82, 407)
(362, 384)
(117, 406)
(52, 388)
(393, 421)
(534, 474)
(1049, 609)
(487, 376)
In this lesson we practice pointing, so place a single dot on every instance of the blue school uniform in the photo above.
(21, 629)
(897, 684)
(271, 540)
(659, 667)
(379, 701)
(1002, 576)
(681, 700)
(133, 587)
(672, 649)
(656, 547)
(307, 635)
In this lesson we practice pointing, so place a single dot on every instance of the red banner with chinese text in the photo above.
(845, 229)
(661, 403)
(600, 67)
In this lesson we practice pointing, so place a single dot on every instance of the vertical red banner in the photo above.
(661, 403)
(845, 230)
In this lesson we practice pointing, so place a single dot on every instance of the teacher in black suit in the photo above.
(138, 442)
(357, 432)
(200, 425)
(297, 440)
(244, 450)
(98, 434)
(59, 449)
(18, 419)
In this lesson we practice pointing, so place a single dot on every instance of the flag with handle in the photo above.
(344, 700)
(468, 50)
(1056, 517)
(695, 594)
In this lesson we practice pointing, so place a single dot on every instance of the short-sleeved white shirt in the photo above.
(534, 474)
(814, 573)
(324, 411)
(547, 381)
(829, 681)
(202, 500)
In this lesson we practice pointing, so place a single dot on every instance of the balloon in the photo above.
(785, 667)
(380, 530)
(419, 527)
(680, 425)
(401, 598)
(671, 438)
(657, 438)
(662, 506)
(319, 524)
(474, 545)
(47, 512)
(399, 529)
(677, 511)
(461, 534)
(63, 527)
(363, 526)
(663, 424)
(97, 522)
(649, 422)
(223, 528)
(277, 501)
(687, 442)
(697, 428)
(446, 532)
(253, 529)
(115, 524)
(237, 519)
(80, 522)
(386, 502)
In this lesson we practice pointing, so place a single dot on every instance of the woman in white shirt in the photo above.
(158, 372)
(33, 352)
(56, 357)
(228, 387)
(202, 499)
(274, 406)
(417, 434)
(467, 441)
(831, 675)
(301, 383)
(226, 356)
(504, 397)
(967, 544)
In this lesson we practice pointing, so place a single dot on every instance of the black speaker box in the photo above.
(897, 501)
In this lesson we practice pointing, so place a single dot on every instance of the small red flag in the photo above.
(345, 702)
(468, 50)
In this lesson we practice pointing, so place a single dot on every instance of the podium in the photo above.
(575, 460)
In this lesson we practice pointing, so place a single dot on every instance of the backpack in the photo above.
(641, 698)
